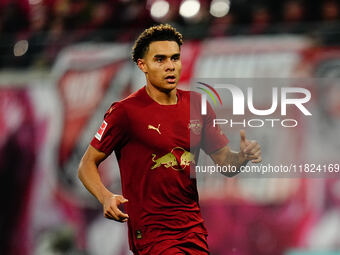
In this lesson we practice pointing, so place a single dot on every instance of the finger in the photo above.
(251, 146)
(257, 154)
(124, 200)
(243, 135)
(115, 217)
(121, 199)
(256, 149)
(250, 157)
(258, 160)
(120, 214)
(109, 215)
(254, 155)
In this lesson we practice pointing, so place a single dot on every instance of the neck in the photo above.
(163, 97)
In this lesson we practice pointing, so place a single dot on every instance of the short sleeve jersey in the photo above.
(154, 153)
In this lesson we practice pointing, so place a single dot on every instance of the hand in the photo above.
(111, 210)
(250, 150)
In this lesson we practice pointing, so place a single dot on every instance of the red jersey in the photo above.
(152, 145)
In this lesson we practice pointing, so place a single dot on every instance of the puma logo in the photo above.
(155, 128)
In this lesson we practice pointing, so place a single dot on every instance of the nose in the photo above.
(170, 65)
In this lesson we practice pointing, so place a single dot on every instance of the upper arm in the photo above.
(112, 135)
(92, 156)
(220, 156)
(213, 139)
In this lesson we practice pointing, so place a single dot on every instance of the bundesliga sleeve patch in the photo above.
(101, 131)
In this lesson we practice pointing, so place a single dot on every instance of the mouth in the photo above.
(171, 79)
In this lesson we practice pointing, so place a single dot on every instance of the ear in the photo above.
(141, 65)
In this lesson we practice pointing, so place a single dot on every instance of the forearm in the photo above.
(89, 176)
(249, 150)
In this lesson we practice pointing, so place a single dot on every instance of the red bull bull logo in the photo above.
(177, 159)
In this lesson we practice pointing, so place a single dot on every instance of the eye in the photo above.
(159, 60)
(175, 58)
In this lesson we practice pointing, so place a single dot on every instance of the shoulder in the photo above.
(191, 96)
(124, 104)
(116, 110)
(136, 99)
(188, 93)
(128, 104)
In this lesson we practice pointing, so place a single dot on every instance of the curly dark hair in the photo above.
(162, 32)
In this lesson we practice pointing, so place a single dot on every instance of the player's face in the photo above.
(162, 65)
